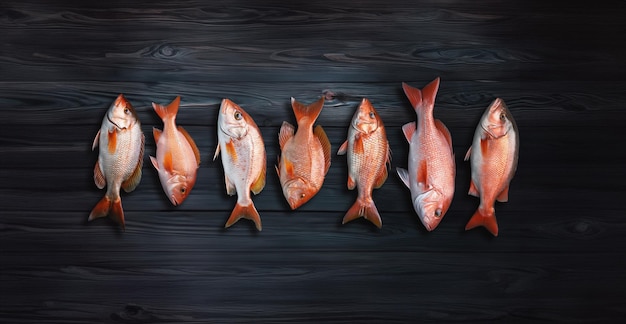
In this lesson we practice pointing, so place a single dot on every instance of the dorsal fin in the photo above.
(192, 143)
(259, 183)
(321, 136)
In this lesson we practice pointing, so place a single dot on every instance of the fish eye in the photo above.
(438, 213)
(372, 115)
(126, 111)
(302, 195)
(237, 115)
(502, 116)
(182, 190)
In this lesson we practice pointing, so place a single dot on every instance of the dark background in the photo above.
(560, 253)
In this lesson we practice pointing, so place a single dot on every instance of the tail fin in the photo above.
(248, 212)
(482, 219)
(363, 209)
(170, 111)
(106, 207)
(422, 98)
(311, 111)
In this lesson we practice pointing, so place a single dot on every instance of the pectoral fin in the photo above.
(404, 176)
(343, 149)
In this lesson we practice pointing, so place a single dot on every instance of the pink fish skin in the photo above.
(177, 156)
(121, 144)
(493, 158)
(368, 156)
(431, 172)
(243, 158)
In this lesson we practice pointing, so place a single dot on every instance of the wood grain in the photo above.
(559, 256)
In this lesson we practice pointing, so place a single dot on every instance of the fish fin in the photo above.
(231, 151)
(504, 195)
(307, 113)
(444, 130)
(429, 92)
(217, 152)
(484, 146)
(277, 170)
(112, 141)
(106, 207)
(156, 133)
(98, 176)
(473, 190)
(414, 95)
(191, 142)
(321, 136)
(96, 140)
(404, 176)
(168, 163)
(154, 161)
(408, 130)
(366, 210)
(133, 181)
(351, 182)
(259, 183)
(422, 172)
(358, 147)
(481, 219)
(168, 111)
(248, 212)
(230, 187)
(289, 168)
(468, 154)
(286, 132)
(382, 177)
(343, 149)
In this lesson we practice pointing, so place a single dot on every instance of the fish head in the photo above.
(233, 120)
(178, 188)
(430, 208)
(298, 192)
(366, 119)
(497, 120)
(121, 113)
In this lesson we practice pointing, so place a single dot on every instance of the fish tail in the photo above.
(365, 209)
(311, 111)
(168, 111)
(107, 207)
(481, 218)
(422, 99)
(242, 211)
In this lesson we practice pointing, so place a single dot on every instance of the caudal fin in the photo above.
(307, 114)
(366, 210)
(482, 219)
(107, 207)
(167, 111)
(248, 212)
(422, 98)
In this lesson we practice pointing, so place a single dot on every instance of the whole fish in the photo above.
(305, 154)
(493, 159)
(368, 158)
(243, 159)
(431, 173)
(120, 158)
(177, 156)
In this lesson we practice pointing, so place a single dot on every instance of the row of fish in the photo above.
(305, 158)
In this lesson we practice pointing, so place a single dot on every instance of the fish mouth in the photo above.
(174, 201)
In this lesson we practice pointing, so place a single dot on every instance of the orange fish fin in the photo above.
(480, 219)
(289, 168)
(468, 154)
(96, 140)
(473, 190)
(248, 212)
(117, 213)
(156, 133)
(404, 176)
(112, 141)
(98, 176)
(444, 130)
(217, 152)
(168, 111)
(155, 162)
(351, 182)
(168, 163)
(259, 183)
(504, 195)
(429, 92)
(422, 172)
(101, 209)
(230, 187)
(484, 146)
(231, 151)
(321, 136)
(343, 149)
(382, 177)
(366, 210)
(408, 130)
(414, 95)
(358, 145)
(131, 183)
(286, 132)
(307, 113)
(191, 142)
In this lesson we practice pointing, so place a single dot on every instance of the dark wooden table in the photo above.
(560, 253)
